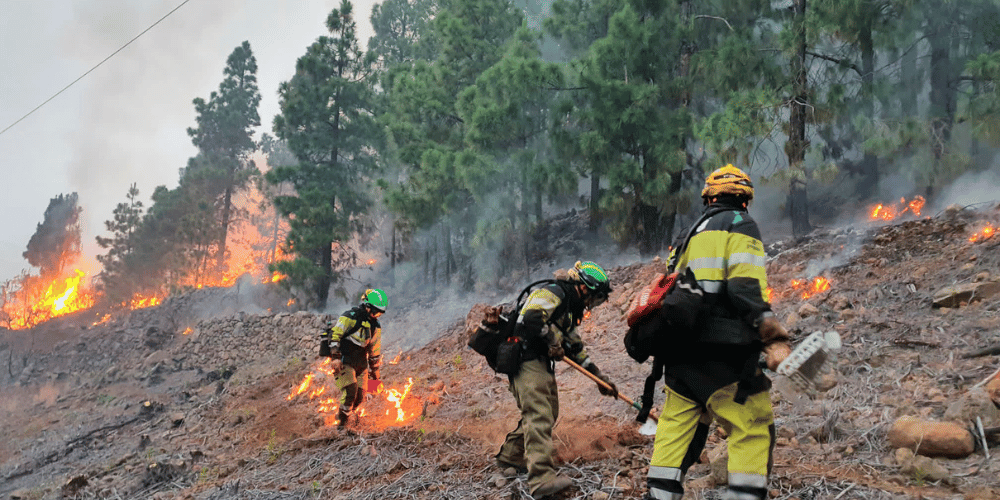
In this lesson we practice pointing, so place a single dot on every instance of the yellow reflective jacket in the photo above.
(727, 258)
(359, 337)
(543, 322)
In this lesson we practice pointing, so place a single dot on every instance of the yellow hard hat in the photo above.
(728, 180)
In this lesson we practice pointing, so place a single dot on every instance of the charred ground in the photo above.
(141, 407)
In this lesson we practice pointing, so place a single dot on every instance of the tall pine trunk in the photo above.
(798, 199)
(869, 163)
(595, 193)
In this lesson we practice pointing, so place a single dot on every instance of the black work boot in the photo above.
(342, 417)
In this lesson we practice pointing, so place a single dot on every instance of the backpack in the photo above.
(666, 309)
(497, 341)
(673, 316)
(324, 342)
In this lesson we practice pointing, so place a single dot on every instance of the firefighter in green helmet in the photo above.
(354, 343)
(548, 322)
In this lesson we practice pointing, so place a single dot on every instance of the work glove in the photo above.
(556, 352)
(336, 363)
(771, 331)
(377, 374)
(775, 353)
(491, 316)
(611, 390)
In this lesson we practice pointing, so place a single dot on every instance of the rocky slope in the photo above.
(160, 403)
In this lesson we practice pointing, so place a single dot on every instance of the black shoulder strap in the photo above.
(647, 390)
(519, 303)
(559, 310)
(357, 323)
(694, 227)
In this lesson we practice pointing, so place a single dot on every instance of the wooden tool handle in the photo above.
(605, 385)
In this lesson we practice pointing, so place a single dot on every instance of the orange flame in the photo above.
(983, 234)
(306, 382)
(397, 398)
(187, 331)
(890, 212)
(769, 294)
(314, 387)
(818, 284)
(61, 296)
(395, 361)
(371, 262)
(140, 301)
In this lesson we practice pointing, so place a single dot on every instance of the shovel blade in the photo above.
(814, 356)
(648, 428)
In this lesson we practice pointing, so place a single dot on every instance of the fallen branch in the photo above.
(988, 351)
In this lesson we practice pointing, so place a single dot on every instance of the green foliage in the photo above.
(224, 138)
(402, 31)
(327, 124)
(984, 106)
(56, 242)
(273, 449)
(734, 134)
(117, 264)
(632, 94)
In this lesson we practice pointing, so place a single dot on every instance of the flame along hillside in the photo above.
(32, 300)
(136, 408)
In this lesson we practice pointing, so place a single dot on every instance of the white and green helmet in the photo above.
(593, 277)
(376, 299)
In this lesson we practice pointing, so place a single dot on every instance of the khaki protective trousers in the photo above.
(750, 427)
(530, 444)
(352, 384)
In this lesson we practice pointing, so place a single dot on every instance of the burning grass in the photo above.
(384, 407)
(892, 211)
(38, 300)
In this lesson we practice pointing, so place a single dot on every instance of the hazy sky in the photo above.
(126, 121)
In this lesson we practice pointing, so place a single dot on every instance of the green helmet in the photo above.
(375, 299)
(591, 275)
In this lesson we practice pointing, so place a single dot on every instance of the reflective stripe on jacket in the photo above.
(363, 332)
(727, 257)
(539, 317)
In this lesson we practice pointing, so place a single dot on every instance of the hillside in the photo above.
(160, 404)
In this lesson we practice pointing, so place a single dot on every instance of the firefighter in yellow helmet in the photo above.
(548, 322)
(716, 373)
(354, 343)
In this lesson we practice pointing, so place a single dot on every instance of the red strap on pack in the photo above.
(648, 300)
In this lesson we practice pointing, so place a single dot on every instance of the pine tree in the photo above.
(327, 123)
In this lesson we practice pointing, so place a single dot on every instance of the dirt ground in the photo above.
(213, 433)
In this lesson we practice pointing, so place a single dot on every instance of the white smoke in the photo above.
(972, 189)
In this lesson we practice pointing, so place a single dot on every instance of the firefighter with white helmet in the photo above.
(716, 373)
(354, 343)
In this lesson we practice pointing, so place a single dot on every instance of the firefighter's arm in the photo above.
(343, 324)
(335, 335)
(573, 345)
(535, 315)
(746, 276)
(375, 354)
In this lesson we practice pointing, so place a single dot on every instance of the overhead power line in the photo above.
(95, 67)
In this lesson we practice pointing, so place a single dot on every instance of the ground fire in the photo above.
(985, 233)
(808, 288)
(317, 386)
(38, 301)
(889, 212)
